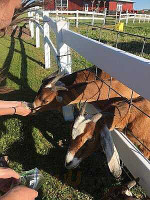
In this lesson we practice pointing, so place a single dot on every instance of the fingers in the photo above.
(24, 111)
(8, 173)
(21, 193)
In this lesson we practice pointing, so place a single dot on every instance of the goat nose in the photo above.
(67, 164)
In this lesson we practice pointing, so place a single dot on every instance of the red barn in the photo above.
(90, 5)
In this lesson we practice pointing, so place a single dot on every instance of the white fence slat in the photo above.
(92, 19)
(119, 64)
(49, 42)
(37, 30)
(93, 16)
(77, 18)
(134, 16)
(46, 39)
(29, 15)
(32, 25)
(133, 159)
(64, 57)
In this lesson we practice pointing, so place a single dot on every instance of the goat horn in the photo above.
(59, 76)
(58, 88)
(83, 109)
(53, 75)
(96, 117)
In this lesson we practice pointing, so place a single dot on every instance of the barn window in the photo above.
(119, 7)
(61, 3)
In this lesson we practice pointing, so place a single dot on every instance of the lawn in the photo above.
(41, 141)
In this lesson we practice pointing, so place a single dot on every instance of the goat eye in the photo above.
(45, 101)
(91, 139)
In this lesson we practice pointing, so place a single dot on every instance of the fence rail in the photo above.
(80, 15)
(134, 17)
(117, 63)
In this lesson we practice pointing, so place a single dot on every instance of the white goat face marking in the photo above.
(69, 157)
(79, 126)
(81, 121)
(48, 86)
(74, 161)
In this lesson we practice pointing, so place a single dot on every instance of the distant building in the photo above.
(90, 5)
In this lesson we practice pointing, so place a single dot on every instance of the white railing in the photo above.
(131, 70)
(82, 15)
(61, 51)
(134, 17)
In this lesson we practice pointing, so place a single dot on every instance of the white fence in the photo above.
(82, 15)
(131, 70)
(134, 17)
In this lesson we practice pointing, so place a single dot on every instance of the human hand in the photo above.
(20, 193)
(8, 173)
(22, 110)
(8, 177)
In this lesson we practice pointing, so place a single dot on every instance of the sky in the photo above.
(141, 4)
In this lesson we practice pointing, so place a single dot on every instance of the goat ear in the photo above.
(59, 99)
(51, 76)
(58, 88)
(96, 117)
(59, 76)
(111, 152)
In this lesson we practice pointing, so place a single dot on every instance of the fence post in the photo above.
(120, 16)
(37, 28)
(116, 16)
(105, 13)
(46, 39)
(32, 24)
(57, 14)
(127, 17)
(92, 19)
(145, 18)
(64, 57)
(77, 18)
(139, 18)
(134, 18)
(29, 15)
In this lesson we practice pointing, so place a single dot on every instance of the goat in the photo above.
(80, 86)
(89, 131)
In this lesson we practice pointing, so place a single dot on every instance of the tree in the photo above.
(92, 1)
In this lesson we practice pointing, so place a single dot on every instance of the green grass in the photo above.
(35, 141)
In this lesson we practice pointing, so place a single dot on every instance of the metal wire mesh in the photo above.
(116, 36)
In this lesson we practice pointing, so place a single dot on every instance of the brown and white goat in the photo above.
(90, 131)
(80, 86)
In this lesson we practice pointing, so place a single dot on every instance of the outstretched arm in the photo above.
(14, 107)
